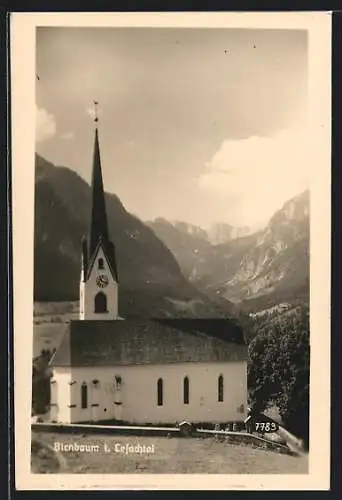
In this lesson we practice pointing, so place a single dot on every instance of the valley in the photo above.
(171, 268)
(256, 271)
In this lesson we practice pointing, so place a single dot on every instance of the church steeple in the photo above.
(99, 278)
(98, 222)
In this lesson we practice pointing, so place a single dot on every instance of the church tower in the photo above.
(99, 279)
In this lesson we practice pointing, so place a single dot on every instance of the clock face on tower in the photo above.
(102, 281)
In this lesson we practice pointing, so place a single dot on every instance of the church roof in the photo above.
(108, 343)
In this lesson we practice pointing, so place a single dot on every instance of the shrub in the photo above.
(41, 383)
(278, 371)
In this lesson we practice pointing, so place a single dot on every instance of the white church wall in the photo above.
(89, 289)
(60, 395)
(135, 399)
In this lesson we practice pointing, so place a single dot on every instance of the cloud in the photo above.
(258, 174)
(45, 125)
(68, 136)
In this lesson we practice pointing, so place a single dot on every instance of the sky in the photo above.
(199, 125)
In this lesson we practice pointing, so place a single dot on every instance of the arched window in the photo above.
(160, 392)
(84, 395)
(100, 264)
(220, 389)
(118, 382)
(100, 303)
(186, 390)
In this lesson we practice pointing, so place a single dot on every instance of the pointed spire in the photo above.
(98, 224)
(99, 234)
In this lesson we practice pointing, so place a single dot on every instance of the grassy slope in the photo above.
(174, 455)
(50, 320)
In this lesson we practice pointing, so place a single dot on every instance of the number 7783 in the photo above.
(266, 426)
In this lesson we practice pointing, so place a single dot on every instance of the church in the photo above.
(156, 371)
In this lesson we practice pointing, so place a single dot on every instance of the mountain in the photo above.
(216, 234)
(257, 270)
(186, 228)
(220, 233)
(190, 247)
(278, 263)
(151, 282)
(201, 262)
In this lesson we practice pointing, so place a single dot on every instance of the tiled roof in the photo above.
(107, 343)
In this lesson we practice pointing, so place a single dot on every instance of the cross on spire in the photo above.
(96, 117)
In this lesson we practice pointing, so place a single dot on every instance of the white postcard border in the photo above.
(23, 26)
